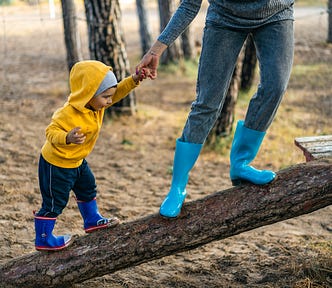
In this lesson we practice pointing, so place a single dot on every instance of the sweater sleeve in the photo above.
(55, 135)
(62, 122)
(181, 19)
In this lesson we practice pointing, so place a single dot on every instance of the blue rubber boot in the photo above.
(246, 143)
(45, 240)
(185, 157)
(92, 218)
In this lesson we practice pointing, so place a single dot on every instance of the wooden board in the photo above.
(315, 147)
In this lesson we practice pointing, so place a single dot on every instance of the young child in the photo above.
(70, 137)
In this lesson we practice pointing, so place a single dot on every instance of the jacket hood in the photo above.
(85, 78)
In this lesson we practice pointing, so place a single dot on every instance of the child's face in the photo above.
(102, 100)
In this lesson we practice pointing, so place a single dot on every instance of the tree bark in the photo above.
(297, 190)
(186, 44)
(329, 33)
(249, 64)
(144, 30)
(173, 52)
(107, 44)
(72, 40)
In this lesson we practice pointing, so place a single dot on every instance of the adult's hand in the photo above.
(150, 60)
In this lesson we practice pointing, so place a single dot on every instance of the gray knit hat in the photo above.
(108, 82)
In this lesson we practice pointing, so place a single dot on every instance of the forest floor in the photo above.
(133, 157)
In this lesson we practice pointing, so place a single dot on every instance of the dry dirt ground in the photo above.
(133, 157)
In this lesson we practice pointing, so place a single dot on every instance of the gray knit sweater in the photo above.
(231, 13)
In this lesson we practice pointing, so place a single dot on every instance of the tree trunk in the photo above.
(173, 52)
(329, 35)
(186, 45)
(107, 44)
(249, 64)
(144, 30)
(72, 40)
(224, 123)
(297, 190)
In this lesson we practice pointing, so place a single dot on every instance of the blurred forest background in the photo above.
(39, 42)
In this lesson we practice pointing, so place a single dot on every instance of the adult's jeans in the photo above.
(220, 49)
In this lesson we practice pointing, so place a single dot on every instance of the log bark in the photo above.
(298, 190)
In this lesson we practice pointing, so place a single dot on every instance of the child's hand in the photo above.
(74, 136)
(140, 75)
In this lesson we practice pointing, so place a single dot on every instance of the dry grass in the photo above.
(133, 156)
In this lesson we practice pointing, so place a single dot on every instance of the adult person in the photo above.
(228, 23)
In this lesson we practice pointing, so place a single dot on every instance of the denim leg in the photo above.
(275, 47)
(220, 49)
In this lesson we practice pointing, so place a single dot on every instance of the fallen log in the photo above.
(298, 190)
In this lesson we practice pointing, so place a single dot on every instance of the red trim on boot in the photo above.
(47, 248)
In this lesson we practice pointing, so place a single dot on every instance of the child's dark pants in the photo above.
(56, 183)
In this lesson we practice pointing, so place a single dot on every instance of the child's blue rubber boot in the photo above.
(92, 218)
(246, 143)
(45, 240)
(185, 157)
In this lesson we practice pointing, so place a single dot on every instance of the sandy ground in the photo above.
(132, 160)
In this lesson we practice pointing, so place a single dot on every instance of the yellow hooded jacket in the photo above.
(85, 78)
